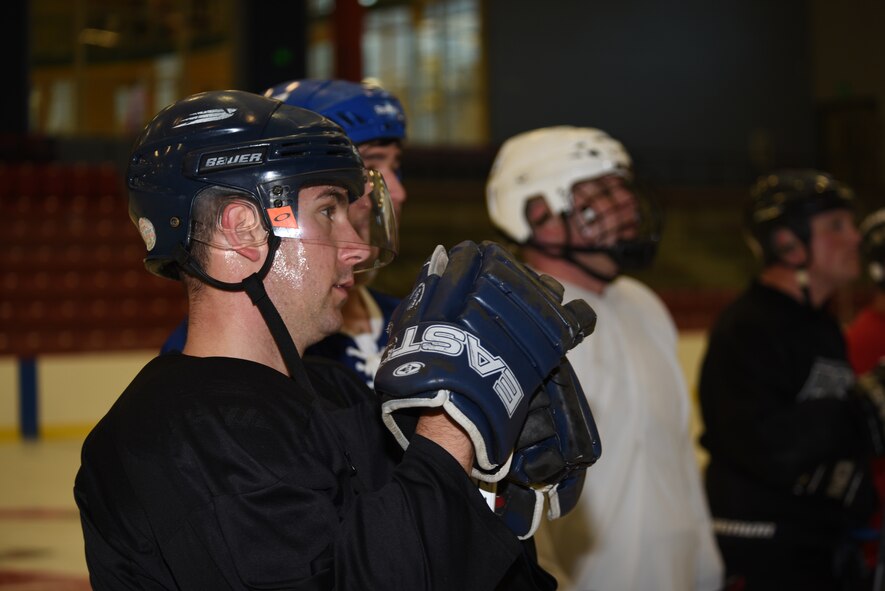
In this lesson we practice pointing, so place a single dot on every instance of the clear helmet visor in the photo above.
(318, 213)
(366, 225)
(373, 217)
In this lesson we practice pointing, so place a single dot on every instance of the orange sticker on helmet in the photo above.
(282, 217)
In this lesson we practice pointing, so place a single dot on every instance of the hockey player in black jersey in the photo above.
(789, 436)
(234, 466)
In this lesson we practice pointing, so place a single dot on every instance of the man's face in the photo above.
(835, 240)
(311, 275)
(386, 160)
(604, 212)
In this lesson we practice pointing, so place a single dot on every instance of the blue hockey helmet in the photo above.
(365, 112)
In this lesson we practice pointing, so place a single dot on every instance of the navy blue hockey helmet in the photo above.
(789, 199)
(365, 112)
(235, 140)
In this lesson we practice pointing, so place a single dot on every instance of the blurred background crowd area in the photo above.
(705, 96)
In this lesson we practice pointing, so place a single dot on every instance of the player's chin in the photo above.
(332, 322)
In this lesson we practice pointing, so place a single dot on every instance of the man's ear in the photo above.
(789, 248)
(242, 228)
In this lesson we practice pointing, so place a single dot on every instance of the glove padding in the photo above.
(477, 336)
(521, 506)
(557, 444)
(559, 435)
(869, 393)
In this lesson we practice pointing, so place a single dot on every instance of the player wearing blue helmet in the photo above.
(371, 117)
(375, 121)
(365, 111)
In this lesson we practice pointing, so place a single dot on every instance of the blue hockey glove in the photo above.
(477, 336)
(557, 444)
(521, 506)
(559, 435)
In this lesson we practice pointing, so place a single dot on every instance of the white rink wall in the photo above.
(74, 391)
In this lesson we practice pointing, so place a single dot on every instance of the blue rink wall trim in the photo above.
(27, 396)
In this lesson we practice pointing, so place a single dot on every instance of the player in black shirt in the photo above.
(234, 466)
(788, 437)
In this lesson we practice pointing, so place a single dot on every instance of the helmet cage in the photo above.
(548, 162)
(628, 232)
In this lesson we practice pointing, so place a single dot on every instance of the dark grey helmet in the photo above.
(789, 199)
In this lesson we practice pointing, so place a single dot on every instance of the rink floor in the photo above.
(41, 545)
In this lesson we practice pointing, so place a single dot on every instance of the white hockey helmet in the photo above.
(547, 162)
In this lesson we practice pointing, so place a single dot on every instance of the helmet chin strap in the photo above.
(253, 285)
(802, 280)
(567, 253)
(800, 272)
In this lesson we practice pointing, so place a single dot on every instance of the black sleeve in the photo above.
(429, 528)
(337, 383)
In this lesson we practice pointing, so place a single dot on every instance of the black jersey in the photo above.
(787, 454)
(219, 473)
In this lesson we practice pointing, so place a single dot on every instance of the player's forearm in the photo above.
(437, 426)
